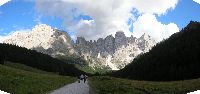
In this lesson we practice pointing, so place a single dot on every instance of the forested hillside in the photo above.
(175, 58)
(36, 60)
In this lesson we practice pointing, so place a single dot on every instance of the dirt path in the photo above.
(74, 88)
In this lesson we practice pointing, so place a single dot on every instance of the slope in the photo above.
(20, 81)
(112, 85)
(175, 58)
(36, 60)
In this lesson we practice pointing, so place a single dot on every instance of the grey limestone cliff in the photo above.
(113, 52)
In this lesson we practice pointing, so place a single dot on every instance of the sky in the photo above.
(93, 19)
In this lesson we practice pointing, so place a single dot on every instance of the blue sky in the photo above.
(19, 14)
(185, 11)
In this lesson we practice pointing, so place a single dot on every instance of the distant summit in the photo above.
(44, 39)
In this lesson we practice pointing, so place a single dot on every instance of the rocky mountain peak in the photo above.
(145, 36)
(120, 34)
(120, 39)
(113, 52)
(45, 39)
(145, 42)
(42, 28)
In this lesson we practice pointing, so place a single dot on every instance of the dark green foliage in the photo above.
(175, 58)
(36, 60)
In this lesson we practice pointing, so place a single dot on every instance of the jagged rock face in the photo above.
(111, 52)
(110, 44)
(120, 39)
(145, 42)
(43, 39)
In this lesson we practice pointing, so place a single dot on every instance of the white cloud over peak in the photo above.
(147, 23)
(108, 16)
(197, 1)
(3, 2)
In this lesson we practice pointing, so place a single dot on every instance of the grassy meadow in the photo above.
(111, 85)
(21, 79)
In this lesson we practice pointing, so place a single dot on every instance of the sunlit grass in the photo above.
(17, 81)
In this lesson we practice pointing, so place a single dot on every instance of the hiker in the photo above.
(85, 78)
(81, 77)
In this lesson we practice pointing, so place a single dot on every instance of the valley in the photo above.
(26, 69)
(99, 46)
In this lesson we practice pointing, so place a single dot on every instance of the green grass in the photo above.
(111, 85)
(19, 81)
(26, 68)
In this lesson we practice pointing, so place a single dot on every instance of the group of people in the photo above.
(82, 78)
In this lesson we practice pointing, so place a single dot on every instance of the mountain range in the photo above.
(111, 52)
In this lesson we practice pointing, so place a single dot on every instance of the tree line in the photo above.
(37, 60)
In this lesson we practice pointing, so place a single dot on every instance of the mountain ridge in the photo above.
(100, 53)
(120, 49)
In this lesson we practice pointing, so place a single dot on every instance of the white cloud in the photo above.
(154, 6)
(108, 16)
(3, 2)
(197, 1)
(147, 23)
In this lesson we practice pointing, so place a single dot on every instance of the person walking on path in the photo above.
(81, 77)
(85, 78)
